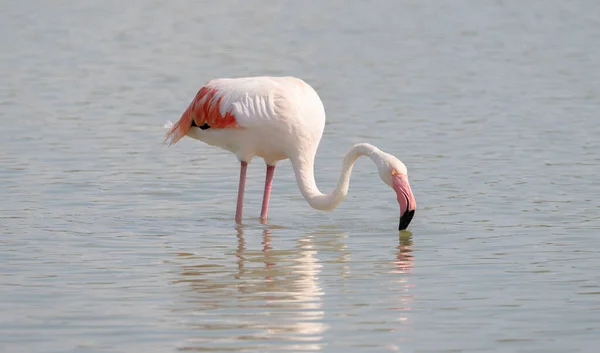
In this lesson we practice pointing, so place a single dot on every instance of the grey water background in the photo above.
(112, 242)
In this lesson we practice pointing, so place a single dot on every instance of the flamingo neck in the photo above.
(305, 176)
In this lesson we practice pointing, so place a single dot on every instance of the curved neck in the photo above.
(305, 176)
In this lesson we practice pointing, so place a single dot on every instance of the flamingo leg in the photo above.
(267, 194)
(240, 200)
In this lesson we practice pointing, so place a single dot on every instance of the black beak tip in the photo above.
(405, 219)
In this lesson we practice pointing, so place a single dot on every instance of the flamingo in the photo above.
(279, 118)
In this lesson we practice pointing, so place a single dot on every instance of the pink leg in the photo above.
(240, 200)
(267, 195)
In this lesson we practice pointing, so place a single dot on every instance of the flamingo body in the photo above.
(268, 117)
(278, 118)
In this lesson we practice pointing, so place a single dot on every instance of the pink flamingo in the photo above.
(278, 118)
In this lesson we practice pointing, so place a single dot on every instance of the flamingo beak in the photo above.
(406, 200)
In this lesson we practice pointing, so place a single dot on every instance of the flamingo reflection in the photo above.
(271, 296)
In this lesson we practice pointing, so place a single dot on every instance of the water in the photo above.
(111, 242)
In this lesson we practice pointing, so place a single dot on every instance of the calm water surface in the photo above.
(111, 242)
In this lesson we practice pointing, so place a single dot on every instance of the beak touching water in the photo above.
(406, 200)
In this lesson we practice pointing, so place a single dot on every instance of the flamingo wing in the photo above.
(205, 111)
(235, 103)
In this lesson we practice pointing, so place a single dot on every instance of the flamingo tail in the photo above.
(178, 130)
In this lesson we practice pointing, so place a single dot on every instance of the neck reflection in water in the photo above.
(404, 266)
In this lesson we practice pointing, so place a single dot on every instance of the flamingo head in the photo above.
(395, 174)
